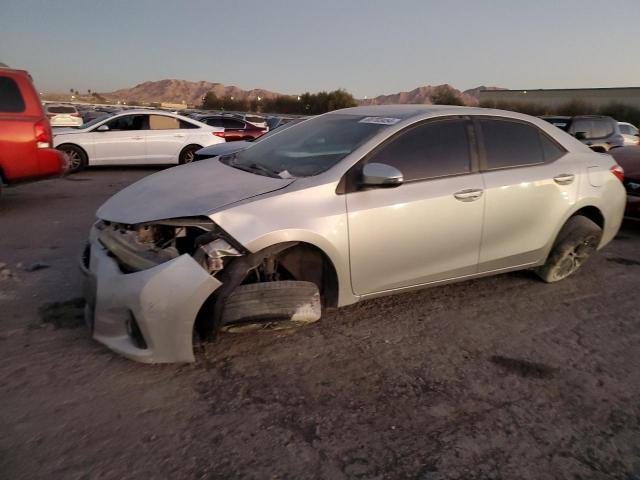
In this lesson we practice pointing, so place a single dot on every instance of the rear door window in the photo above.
(434, 149)
(11, 100)
(162, 122)
(509, 143)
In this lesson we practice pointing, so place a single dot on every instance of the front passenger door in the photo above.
(123, 143)
(427, 229)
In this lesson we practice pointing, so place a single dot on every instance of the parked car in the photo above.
(234, 147)
(234, 129)
(26, 150)
(256, 120)
(135, 137)
(629, 159)
(630, 133)
(600, 133)
(63, 115)
(346, 206)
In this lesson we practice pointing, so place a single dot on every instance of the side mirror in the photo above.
(581, 135)
(102, 128)
(381, 175)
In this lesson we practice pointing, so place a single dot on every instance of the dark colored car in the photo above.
(26, 141)
(598, 132)
(234, 128)
(629, 159)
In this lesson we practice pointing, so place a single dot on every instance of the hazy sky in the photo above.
(368, 47)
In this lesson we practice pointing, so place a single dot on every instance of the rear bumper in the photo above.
(160, 304)
(50, 163)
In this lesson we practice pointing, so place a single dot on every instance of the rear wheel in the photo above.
(577, 240)
(76, 157)
(188, 153)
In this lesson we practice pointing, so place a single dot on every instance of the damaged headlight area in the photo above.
(143, 246)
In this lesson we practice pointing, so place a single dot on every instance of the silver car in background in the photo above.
(347, 206)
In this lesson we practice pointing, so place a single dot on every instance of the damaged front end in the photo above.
(139, 247)
(152, 286)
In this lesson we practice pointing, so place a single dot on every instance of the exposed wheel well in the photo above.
(292, 260)
(592, 213)
(307, 262)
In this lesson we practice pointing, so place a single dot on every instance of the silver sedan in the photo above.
(346, 206)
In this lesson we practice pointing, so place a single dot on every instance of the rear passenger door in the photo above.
(427, 229)
(529, 187)
(165, 139)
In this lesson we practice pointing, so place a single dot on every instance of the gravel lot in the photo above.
(504, 377)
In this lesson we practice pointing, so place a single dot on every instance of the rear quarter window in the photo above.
(11, 100)
(187, 125)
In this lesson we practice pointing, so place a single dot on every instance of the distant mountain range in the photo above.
(191, 93)
(184, 91)
(422, 95)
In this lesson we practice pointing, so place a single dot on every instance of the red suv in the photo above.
(26, 143)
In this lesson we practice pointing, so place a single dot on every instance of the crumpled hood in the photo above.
(188, 190)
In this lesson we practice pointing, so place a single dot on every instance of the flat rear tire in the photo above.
(576, 242)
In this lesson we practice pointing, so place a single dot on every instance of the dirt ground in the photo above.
(503, 378)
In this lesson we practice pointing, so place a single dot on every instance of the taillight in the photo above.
(77, 115)
(42, 132)
(618, 171)
(218, 134)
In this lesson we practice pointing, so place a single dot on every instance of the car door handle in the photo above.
(564, 178)
(468, 195)
(137, 138)
(178, 135)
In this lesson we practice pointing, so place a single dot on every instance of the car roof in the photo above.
(407, 112)
(142, 111)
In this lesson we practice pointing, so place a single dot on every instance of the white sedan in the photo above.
(135, 137)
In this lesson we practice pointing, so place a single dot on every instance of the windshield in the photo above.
(310, 147)
(95, 120)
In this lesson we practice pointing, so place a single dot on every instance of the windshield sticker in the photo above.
(380, 120)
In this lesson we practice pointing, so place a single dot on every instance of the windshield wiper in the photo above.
(254, 168)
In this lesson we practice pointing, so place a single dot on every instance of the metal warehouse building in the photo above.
(597, 97)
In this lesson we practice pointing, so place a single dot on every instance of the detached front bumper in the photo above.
(148, 315)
